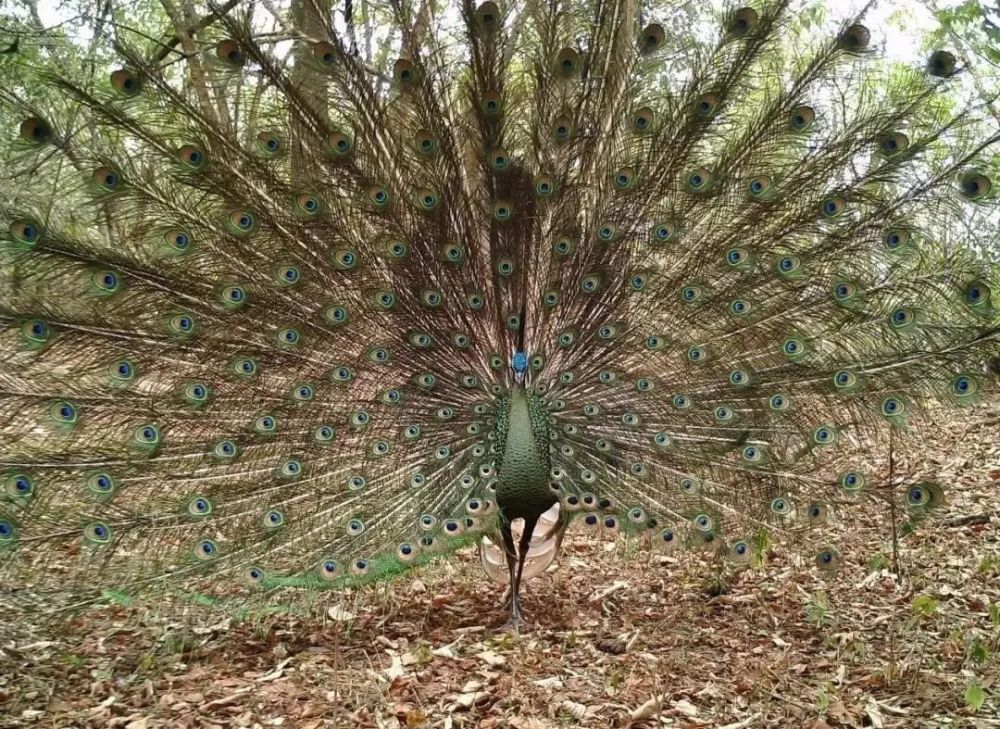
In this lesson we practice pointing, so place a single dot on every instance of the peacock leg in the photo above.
(516, 619)
(509, 551)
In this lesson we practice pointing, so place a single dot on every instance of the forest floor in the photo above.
(616, 636)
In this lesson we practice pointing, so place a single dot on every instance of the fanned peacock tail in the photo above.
(280, 316)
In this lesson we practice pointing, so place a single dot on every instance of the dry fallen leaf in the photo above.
(649, 709)
(340, 614)
(494, 660)
(575, 709)
(395, 669)
(469, 699)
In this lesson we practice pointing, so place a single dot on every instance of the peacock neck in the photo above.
(523, 464)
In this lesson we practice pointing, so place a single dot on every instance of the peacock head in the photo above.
(519, 364)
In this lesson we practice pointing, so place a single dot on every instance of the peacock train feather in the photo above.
(274, 314)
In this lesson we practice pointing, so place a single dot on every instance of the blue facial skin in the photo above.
(519, 363)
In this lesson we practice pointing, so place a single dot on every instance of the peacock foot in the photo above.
(515, 621)
(513, 625)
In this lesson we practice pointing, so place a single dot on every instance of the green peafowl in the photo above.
(276, 312)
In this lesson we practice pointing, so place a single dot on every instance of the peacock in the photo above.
(285, 307)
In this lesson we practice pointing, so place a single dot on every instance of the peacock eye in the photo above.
(101, 483)
(324, 53)
(107, 179)
(801, 118)
(337, 315)
(892, 407)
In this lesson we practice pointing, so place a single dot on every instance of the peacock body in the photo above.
(276, 314)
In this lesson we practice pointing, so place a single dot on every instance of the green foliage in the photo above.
(975, 695)
(924, 606)
(979, 650)
(970, 22)
(818, 610)
(878, 562)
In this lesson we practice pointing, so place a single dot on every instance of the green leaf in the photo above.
(989, 564)
(924, 606)
(979, 652)
(974, 695)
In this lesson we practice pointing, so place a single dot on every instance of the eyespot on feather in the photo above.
(941, 64)
(230, 53)
(339, 144)
(707, 105)
(269, 144)
(126, 82)
(624, 179)
(25, 231)
(405, 74)
(801, 118)
(567, 63)
(760, 187)
(378, 196)
(563, 128)
(191, 156)
(488, 18)
(106, 179)
(827, 559)
(642, 120)
(651, 39)
(975, 185)
(545, 186)
(502, 211)
(426, 199)
(855, 38)
(490, 103)
(425, 143)
(325, 54)
(35, 130)
(896, 239)
(241, 223)
(743, 23)
(892, 144)
(833, 206)
(308, 205)
(699, 180)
